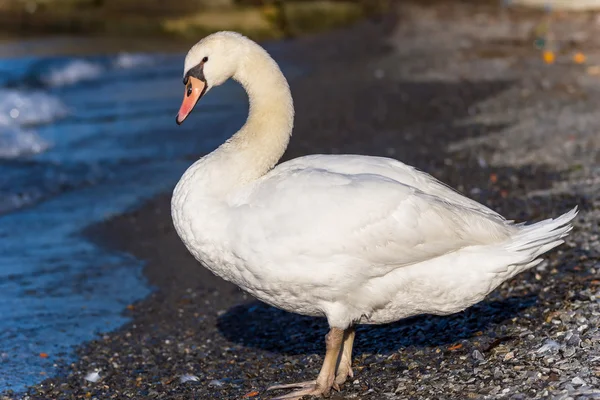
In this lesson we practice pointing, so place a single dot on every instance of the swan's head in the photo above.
(210, 63)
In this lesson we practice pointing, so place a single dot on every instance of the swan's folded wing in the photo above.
(313, 214)
(390, 168)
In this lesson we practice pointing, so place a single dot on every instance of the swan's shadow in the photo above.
(260, 326)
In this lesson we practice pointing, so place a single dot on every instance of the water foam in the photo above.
(81, 70)
(18, 110)
(15, 142)
(74, 72)
(23, 108)
(130, 60)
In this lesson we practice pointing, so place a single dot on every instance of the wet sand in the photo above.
(405, 88)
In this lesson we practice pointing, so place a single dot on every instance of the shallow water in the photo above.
(83, 139)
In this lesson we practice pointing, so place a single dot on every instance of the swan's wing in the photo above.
(390, 168)
(315, 214)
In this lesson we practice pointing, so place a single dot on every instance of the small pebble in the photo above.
(478, 356)
(577, 381)
(569, 351)
(93, 377)
(549, 346)
(188, 378)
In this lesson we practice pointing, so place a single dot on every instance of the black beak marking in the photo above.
(198, 73)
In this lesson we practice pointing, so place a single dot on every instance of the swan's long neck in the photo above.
(260, 143)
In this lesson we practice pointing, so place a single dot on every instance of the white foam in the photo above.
(16, 142)
(18, 109)
(14, 201)
(82, 70)
(75, 71)
(129, 60)
(23, 108)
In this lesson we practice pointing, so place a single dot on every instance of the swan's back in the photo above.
(386, 167)
(365, 211)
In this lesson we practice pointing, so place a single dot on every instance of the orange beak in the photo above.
(194, 89)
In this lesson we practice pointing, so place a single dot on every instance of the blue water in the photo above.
(81, 140)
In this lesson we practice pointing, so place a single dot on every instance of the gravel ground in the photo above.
(462, 93)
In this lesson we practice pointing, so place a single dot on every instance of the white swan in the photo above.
(357, 239)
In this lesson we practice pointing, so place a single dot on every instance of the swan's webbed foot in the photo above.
(309, 388)
(326, 379)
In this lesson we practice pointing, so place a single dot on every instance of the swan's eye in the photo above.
(205, 59)
(189, 89)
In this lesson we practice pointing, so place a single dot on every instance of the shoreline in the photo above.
(354, 100)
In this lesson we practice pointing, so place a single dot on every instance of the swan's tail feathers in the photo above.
(531, 241)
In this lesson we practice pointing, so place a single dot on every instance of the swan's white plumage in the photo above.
(356, 239)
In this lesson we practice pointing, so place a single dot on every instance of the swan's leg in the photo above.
(344, 369)
(325, 380)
